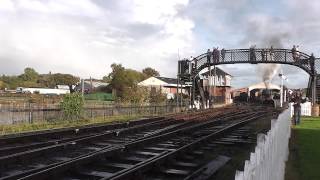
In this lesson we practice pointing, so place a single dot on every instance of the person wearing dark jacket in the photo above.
(296, 109)
(223, 54)
(252, 52)
(208, 56)
(216, 55)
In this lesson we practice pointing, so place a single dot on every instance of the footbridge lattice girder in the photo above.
(279, 56)
(306, 62)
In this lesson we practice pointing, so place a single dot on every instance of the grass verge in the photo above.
(44, 125)
(304, 158)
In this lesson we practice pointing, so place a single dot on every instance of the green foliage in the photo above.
(29, 75)
(149, 72)
(64, 79)
(134, 95)
(30, 78)
(116, 69)
(99, 96)
(11, 82)
(3, 85)
(157, 97)
(122, 79)
(125, 85)
(30, 84)
(47, 80)
(72, 106)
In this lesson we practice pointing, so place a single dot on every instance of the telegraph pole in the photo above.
(177, 93)
(178, 79)
(82, 87)
(281, 75)
(209, 82)
(214, 81)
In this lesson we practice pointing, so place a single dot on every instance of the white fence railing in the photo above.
(271, 152)
(305, 109)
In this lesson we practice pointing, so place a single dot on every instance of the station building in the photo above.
(218, 86)
(222, 90)
(165, 85)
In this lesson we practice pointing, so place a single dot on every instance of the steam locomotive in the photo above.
(263, 97)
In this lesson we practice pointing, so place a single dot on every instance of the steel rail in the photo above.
(83, 160)
(144, 166)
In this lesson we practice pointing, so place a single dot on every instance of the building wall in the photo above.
(159, 85)
(222, 91)
(220, 80)
(152, 81)
(166, 90)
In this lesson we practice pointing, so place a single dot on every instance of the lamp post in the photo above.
(283, 77)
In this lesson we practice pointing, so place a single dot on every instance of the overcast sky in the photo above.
(84, 37)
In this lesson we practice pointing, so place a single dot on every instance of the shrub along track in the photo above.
(62, 149)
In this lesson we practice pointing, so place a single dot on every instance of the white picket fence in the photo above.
(305, 109)
(271, 152)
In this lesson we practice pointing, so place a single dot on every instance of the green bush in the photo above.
(72, 106)
(100, 96)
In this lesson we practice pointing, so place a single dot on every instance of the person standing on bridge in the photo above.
(271, 53)
(312, 59)
(223, 54)
(208, 56)
(263, 54)
(195, 61)
(216, 55)
(252, 52)
(294, 53)
(297, 54)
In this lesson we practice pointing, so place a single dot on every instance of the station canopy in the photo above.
(263, 85)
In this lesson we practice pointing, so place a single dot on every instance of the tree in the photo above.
(11, 82)
(30, 78)
(46, 80)
(2, 85)
(116, 69)
(157, 97)
(30, 84)
(134, 95)
(121, 78)
(29, 75)
(65, 79)
(149, 72)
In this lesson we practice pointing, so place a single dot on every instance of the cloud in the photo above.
(84, 37)
(61, 7)
(6, 6)
(239, 24)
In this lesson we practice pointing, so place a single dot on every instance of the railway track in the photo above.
(117, 153)
(36, 159)
(10, 144)
(128, 160)
(32, 140)
(24, 163)
(27, 141)
(20, 164)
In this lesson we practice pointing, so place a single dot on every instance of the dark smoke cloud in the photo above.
(265, 32)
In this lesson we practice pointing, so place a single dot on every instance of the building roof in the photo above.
(160, 81)
(219, 72)
(63, 87)
(263, 85)
(168, 80)
(96, 84)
